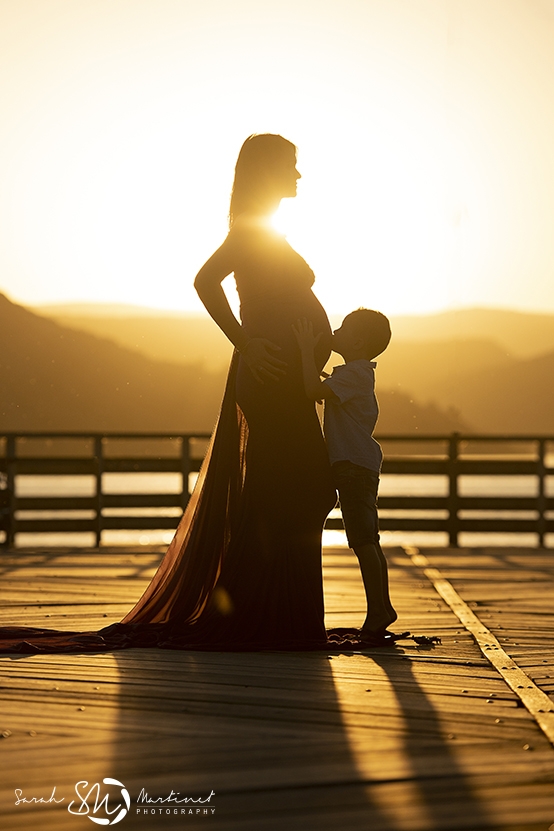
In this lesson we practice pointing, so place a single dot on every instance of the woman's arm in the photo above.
(208, 285)
(257, 352)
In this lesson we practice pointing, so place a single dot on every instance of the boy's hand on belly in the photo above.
(304, 333)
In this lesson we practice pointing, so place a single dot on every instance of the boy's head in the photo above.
(364, 333)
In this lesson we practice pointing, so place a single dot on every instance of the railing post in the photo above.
(10, 487)
(99, 458)
(453, 490)
(4, 508)
(541, 498)
(185, 470)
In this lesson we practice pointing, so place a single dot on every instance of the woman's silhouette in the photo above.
(244, 568)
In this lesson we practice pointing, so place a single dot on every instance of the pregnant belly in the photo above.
(272, 317)
(283, 404)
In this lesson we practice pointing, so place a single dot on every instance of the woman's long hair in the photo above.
(260, 159)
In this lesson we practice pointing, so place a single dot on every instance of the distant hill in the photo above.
(53, 377)
(165, 335)
(432, 370)
(400, 413)
(463, 369)
(517, 396)
(522, 334)
(103, 310)
(489, 389)
(56, 378)
(181, 337)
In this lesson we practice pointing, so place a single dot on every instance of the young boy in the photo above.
(351, 412)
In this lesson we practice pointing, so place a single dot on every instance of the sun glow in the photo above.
(380, 236)
(119, 145)
(105, 218)
(137, 224)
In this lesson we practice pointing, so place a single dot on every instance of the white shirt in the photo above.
(350, 418)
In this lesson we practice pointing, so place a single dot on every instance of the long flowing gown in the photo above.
(243, 571)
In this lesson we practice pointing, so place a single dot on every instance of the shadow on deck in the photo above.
(409, 737)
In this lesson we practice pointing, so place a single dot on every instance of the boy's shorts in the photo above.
(357, 487)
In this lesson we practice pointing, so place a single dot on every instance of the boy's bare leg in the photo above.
(385, 575)
(373, 566)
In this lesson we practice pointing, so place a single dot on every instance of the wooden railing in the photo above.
(19, 460)
(449, 457)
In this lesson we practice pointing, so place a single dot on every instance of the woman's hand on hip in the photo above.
(260, 358)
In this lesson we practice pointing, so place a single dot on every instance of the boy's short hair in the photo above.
(375, 327)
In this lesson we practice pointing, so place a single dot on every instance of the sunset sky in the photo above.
(425, 131)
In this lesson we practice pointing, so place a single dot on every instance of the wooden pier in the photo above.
(448, 462)
(456, 735)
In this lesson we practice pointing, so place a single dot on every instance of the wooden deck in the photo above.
(452, 736)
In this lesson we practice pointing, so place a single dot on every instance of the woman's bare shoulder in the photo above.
(247, 228)
(249, 237)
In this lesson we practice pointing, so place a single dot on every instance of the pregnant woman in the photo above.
(244, 568)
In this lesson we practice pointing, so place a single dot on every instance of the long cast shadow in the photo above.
(264, 731)
(442, 786)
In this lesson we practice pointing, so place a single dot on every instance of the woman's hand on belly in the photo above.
(261, 360)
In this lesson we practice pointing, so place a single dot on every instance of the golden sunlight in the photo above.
(424, 185)
(380, 235)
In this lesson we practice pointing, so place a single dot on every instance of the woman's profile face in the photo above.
(265, 173)
(286, 176)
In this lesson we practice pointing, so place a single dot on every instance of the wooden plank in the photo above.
(534, 699)
(287, 741)
(57, 503)
(493, 525)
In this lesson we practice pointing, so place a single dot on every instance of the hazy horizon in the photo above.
(72, 306)
(424, 130)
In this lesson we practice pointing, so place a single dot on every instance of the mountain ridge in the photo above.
(54, 377)
(473, 382)
(519, 333)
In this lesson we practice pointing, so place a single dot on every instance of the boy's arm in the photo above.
(315, 388)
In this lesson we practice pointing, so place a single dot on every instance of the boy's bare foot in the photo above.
(374, 625)
(385, 638)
